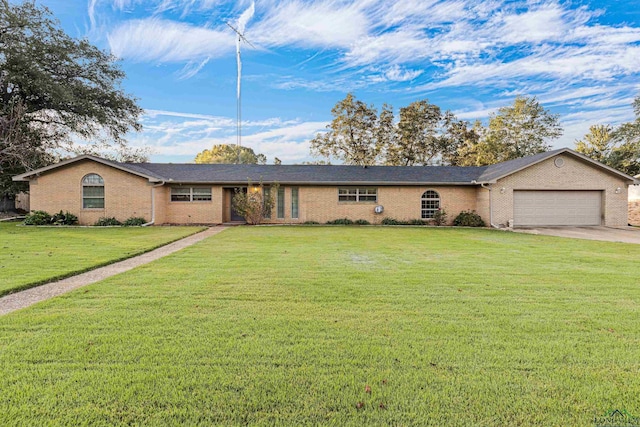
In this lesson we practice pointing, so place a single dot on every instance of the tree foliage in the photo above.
(425, 135)
(617, 147)
(418, 139)
(522, 129)
(54, 88)
(227, 153)
(354, 135)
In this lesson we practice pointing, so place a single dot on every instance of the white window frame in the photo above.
(429, 204)
(99, 184)
(357, 194)
(195, 194)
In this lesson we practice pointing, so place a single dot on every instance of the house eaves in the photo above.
(120, 166)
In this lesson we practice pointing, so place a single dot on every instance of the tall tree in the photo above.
(418, 140)
(598, 143)
(227, 153)
(522, 129)
(353, 135)
(460, 141)
(54, 88)
(617, 147)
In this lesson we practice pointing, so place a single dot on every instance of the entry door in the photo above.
(235, 216)
(549, 208)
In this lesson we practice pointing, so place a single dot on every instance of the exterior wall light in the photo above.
(618, 190)
(502, 190)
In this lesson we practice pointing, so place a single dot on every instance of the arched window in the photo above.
(430, 204)
(92, 192)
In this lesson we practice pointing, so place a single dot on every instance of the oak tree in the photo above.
(54, 88)
(354, 135)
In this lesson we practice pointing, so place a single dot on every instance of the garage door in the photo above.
(540, 208)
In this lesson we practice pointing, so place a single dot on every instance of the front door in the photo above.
(235, 216)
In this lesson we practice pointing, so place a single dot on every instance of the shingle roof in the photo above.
(325, 174)
(499, 170)
(308, 174)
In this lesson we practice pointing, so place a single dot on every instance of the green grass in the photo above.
(34, 255)
(288, 325)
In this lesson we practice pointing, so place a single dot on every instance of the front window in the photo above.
(266, 200)
(294, 202)
(280, 203)
(363, 194)
(190, 194)
(430, 204)
(92, 192)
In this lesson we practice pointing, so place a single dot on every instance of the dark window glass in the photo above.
(280, 203)
(294, 202)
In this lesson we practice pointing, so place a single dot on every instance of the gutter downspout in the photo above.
(490, 204)
(153, 205)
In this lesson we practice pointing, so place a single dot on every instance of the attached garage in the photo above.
(557, 208)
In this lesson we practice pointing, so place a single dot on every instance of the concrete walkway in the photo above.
(22, 299)
(606, 234)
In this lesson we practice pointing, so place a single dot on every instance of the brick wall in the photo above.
(404, 203)
(576, 174)
(199, 212)
(126, 195)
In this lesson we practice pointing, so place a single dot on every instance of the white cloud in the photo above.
(172, 133)
(159, 40)
(310, 24)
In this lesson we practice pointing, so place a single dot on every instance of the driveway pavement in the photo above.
(607, 234)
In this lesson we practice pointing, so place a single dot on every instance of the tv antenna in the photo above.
(241, 38)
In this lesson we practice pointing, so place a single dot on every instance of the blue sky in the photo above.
(580, 58)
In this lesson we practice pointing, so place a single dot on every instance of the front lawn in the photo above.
(340, 326)
(34, 255)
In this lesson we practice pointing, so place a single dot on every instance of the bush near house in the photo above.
(107, 222)
(340, 221)
(44, 218)
(134, 221)
(361, 222)
(256, 203)
(440, 217)
(37, 218)
(468, 219)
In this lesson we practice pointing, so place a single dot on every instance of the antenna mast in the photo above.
(241, 38)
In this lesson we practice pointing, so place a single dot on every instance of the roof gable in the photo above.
(501, 170)
(121, 166)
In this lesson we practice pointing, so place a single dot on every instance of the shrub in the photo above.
(106, 221)
(391, 221)
(134, 221)
(468, 219)
(416, 222)
(440, 217)
(64, 218)
(310, 223)
(340, 221)
(256, 203)
(362, 222)
(37, 218)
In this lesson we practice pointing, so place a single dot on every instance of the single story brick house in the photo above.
(556, 188)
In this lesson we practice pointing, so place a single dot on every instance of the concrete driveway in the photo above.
(607, 234)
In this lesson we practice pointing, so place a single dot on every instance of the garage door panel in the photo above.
(547, 208)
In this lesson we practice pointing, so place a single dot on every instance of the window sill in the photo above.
(368, 202)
